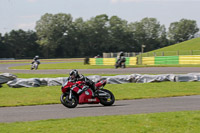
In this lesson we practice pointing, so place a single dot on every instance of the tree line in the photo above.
(59, 36)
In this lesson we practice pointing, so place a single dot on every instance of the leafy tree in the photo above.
(183, 30)
(51, 29)
(120, 38)
(2, 48)
(59, 36)
(96, 35)
(21, 44)
(5, 48)
(32, 48)
(147, 32)
(163, 38)
(79, 38)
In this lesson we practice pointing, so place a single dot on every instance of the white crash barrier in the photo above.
(187, 77)
(18, 82)
(12, 81)
(5, 77)
(154, 78)
(36, 82)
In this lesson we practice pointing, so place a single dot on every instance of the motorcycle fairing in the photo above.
(100, 83)
(86, 97)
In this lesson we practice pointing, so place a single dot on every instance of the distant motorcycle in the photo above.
(35, 64)
(120, 63)
(74, 93)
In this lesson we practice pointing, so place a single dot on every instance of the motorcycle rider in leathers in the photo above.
(74, 77)
(36, 59)
(121, 58)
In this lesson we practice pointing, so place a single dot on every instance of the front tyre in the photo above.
(116, 66)
(36, 66)
(69, 103)
(107, 100)
(32, 66)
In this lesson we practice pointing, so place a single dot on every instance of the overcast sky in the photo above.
(23, 14)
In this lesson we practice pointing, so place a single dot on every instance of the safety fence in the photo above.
(160, 60)
(150, 54)
(171, 53)
(114, 55)
(111, 61)
(156, 60)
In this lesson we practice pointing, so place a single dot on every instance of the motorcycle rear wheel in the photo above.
(69, 103)
(123, 66)
(116, 66)
(107, 101)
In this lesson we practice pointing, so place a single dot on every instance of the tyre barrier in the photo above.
(118, 79)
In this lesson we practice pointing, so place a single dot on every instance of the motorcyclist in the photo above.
(74, 76)
(120, 58)
(36, 59)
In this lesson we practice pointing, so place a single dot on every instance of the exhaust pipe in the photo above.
(103, 95)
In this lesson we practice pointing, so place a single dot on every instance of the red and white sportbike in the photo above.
(80, 93)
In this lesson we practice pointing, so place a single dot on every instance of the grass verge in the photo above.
(51, 94)
(80, 65)
(171, 122)
(26, 75)
(71, 65)
(42, 60)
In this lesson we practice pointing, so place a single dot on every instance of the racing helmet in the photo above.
(36, 57)
(121, 53)
(73, 72)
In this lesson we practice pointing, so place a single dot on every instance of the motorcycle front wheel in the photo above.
(69, 103)
(32, 67)
(107, 100)
(36, 66)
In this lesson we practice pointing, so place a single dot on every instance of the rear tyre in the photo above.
(116, 66)
(69, 103)
(123, 66)
(107, 101)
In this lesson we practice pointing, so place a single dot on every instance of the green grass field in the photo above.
(42, 60)
(51, 94)
(171, 122)
(193, 44)
(190, 47)
(72, 65)
(80, 65)
(25, 75)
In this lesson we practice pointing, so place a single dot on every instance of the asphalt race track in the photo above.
(55, 111)
(144, 70)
